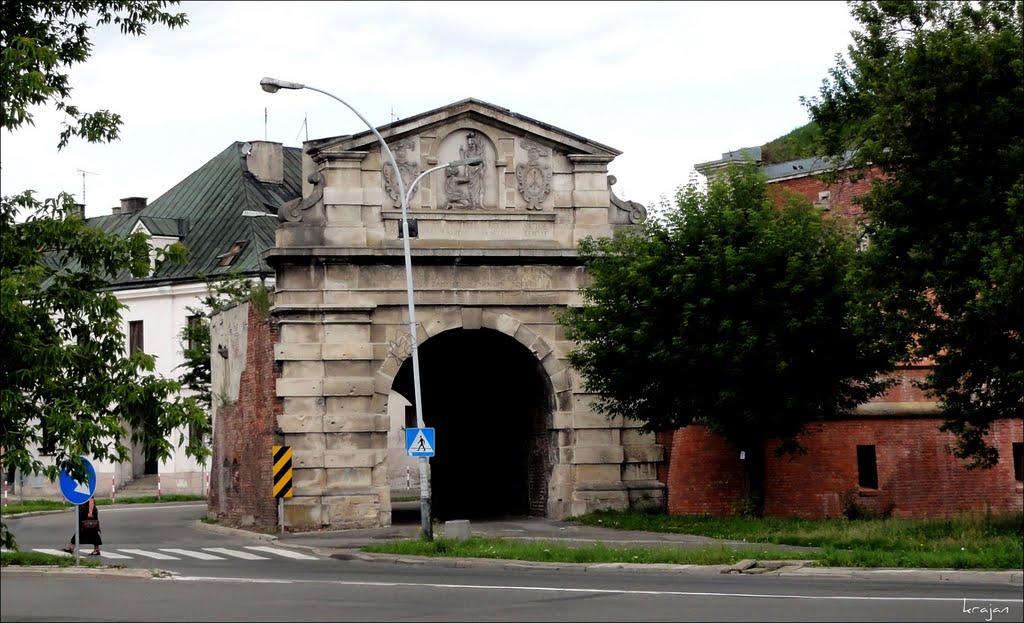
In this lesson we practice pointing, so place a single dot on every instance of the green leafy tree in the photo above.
(729, 312)
(933, 97)
(67, 382)
(41, 40)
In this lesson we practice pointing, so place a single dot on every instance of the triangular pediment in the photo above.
(475, 176)
(471, 112)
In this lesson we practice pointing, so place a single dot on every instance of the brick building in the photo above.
(889, 457)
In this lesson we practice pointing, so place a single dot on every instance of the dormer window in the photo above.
(227, 259)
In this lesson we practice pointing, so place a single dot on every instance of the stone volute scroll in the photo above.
(533, 177)
(634, 212)
(292, 211)
(400, 150)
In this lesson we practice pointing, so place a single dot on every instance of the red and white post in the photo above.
(408, 478)
(158, 486)
(113, 489)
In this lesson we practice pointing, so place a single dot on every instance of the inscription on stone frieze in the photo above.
(466, 278)
(487, 230)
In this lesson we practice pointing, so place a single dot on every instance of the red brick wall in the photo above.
(704, 474)
(245, 435)
(916, 475)
(906, 389)
(841, 194)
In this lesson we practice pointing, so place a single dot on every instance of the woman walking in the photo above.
(89, 526)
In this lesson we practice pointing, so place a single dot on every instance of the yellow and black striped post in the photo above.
(282, 479)
(282, 471)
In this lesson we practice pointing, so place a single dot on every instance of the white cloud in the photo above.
(669, 84)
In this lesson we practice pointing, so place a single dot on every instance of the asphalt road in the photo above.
(321, 588)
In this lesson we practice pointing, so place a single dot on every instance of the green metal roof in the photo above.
(205, 211)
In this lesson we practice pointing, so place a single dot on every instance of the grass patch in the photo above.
(978, 541)
(969, 541)
(542, 551)
(37, 559)
(29, 506)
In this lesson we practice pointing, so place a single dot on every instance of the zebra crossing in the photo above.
(173, 553)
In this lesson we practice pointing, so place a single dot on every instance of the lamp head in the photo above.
(470, 161)
(272, 85)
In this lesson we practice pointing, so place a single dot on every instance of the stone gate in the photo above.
(495, 255)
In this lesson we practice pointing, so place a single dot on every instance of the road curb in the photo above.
(142, 574)
(219, 529)
(790, 568)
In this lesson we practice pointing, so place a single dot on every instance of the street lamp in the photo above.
(272, 85)
(259, 259)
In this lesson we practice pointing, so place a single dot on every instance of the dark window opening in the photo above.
(193, 327)
(193, 434)
(136, 333)
(49, 442)
(867, 468)
(1018, 461)
(410, 416)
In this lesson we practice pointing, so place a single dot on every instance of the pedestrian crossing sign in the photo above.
(419, 441)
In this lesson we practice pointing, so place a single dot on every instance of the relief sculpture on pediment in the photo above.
(469, 186)
(400, 150)
(533, 177)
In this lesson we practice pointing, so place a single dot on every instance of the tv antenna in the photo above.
(84, 173)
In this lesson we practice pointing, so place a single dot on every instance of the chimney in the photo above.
(130, 205)
(77, 209)
(265, 160)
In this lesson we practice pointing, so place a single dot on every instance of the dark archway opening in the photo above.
(490, 403)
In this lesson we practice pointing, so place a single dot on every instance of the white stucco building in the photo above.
(204, 212)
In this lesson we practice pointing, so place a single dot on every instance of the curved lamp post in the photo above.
(273, 85)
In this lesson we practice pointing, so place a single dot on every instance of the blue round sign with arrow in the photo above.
(78, 492)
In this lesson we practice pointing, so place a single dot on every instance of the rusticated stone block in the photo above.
(300, 387)
(348, 386)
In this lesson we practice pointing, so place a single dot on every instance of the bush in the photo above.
(853, 509)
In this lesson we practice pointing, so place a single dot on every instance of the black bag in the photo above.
(90, 524)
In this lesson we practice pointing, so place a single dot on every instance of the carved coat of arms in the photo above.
(400, 150)
(533, 177)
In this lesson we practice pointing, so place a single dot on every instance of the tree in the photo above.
(68, 383)
(730, 312)
(933, 96)
(40, 40)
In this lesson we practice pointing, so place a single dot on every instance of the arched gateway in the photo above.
(494, 256)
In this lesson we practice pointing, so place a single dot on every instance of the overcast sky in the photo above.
(669, 84)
